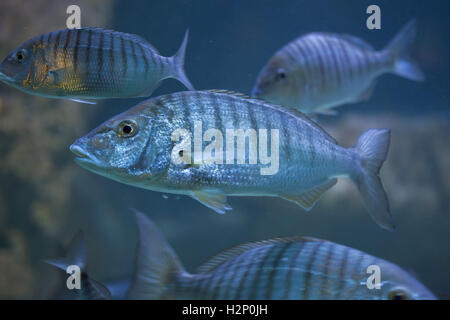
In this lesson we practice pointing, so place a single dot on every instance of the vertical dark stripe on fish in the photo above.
(55, 45)
(307, 273)
(234, 272)
(345, 51)
(336, 60)
(291, 52)
(124, 55)
(133, 54)
(76, 50)
(41, 39)
(355, 273)
(66, 45)
(183, 111)
(274, 270)
(342, 271)
(88, 48)
(303, 49)
(259, 271)
(100, 55)
(112, 54)
(322, 62)
(144, 57)
(324, 290)
(330, 74)
(224, 270)
(292, 263)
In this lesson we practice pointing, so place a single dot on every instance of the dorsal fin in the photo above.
(283, 109)
(224, 256)
(231, 93)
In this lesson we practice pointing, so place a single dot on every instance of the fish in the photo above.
(87, 64)
(141, 147)
(320, 71)
(291, 268)
(90, 289)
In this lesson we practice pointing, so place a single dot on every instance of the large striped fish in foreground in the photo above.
(89, 289)
(319, 71)
(285, 268)
(141, 147)
(90, 63)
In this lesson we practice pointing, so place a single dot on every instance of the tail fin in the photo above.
(400, 48)
(178, 59)
(156, 262)
(76, 255)
(373, 147)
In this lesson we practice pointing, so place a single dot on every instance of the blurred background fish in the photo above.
(296, 268)
(89, 289)
(319, 71)
(91, 63)
(138, 148)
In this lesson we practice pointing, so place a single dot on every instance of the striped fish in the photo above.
(76, 256)
(319, 71)
(91, 63)
(140, 147)
(286, 268)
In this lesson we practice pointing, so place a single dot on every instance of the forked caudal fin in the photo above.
(400, 48)
(76, 255)
(156, 263)
(373, 146)
(178, 60)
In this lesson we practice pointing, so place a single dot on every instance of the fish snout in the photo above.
(78, 150)
(256, 91)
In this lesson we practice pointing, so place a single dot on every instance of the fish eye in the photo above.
(281, 74)
(20, 55)
(398, 294)
(127, 129)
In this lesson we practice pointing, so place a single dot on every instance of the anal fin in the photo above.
(308, 199)
(213, 200)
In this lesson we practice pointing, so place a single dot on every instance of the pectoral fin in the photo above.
(308, 199)
(214, 200)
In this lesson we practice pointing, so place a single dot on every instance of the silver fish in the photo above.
(139, 147)
(319, 71)
(284, 268)
(90, 63)
(90, 289)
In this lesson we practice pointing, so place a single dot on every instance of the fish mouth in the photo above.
(256, 91)
(84, 157)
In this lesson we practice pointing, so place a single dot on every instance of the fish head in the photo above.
(118, 148)
(279, 83)
(397, 284)
(25, 67)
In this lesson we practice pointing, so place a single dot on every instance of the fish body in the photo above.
(90, 63)
(89, 289)
(297, 268)
(305, 161)
(319, 71)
